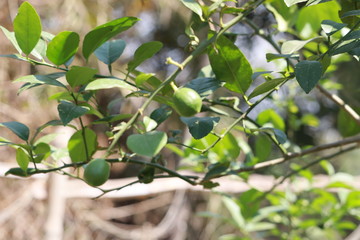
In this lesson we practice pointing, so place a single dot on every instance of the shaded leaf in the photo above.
(62, 47)
(21, 130)
(204, 86)
(272, 56)
(331, 27)
(110, 51)
(308, 73)
(199, 127)
(147, 144)
(161, 114)
(27, 27)
(69, 111)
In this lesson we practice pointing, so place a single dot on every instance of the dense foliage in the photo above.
(229, 136)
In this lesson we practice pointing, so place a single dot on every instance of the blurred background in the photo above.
(48, 207)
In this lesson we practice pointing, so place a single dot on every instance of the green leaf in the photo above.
(103, 33)
(16, 172)
(289, 47)
(331, 27)
(308, 73)
(69, 111)
(270, 116)
(110, 51)
(82, 145)
(112, 118)
(263, 147)
(351, 13)
(38, 80)
(293, 2)
(204, 86)
(230, 65)
(27, 27)
(147, 144)
(62, 47)
(309, 19)
(42, 151)
(266, 86)
(272, 56)
(346, 125)
(216, 170)
(144, 52)
(22, 159)
(193, 6)
(200, 127)
(106, 83)
(346, 46)
(11, 37)
(149, 124)
(21, 130)
(77, 76)
(280, 136)
(161, 114)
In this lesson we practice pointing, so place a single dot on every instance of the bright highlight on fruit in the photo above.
(187, 102)
(97, 172)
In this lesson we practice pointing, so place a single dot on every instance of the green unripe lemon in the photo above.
(97, 172)
(187, 101)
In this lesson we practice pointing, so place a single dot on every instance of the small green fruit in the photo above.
(187, 102)
(97, 172)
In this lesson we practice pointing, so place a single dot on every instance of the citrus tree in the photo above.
(228, 135)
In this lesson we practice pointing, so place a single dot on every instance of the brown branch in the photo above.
(289, 156)
(336, 99)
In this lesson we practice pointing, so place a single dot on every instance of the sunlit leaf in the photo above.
(62, 47)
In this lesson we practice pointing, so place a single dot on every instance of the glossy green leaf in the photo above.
(82, 145)
(22, 159)
(110, 51)
(62, 47)
(21, 130)
(331, 27)
(11, 37)
(77, 76)
(147, 144)
(103, 33)
(230, 65)
(266, 86)
(18, 172)
(69, 111)
(193, 6)
(144, 52)
(112, 118)
(204, 86)
(199, 127)
(27, 27)
(270, 116)
(308, 73)
(106, 83)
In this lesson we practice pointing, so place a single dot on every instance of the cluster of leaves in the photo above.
(217, 133)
